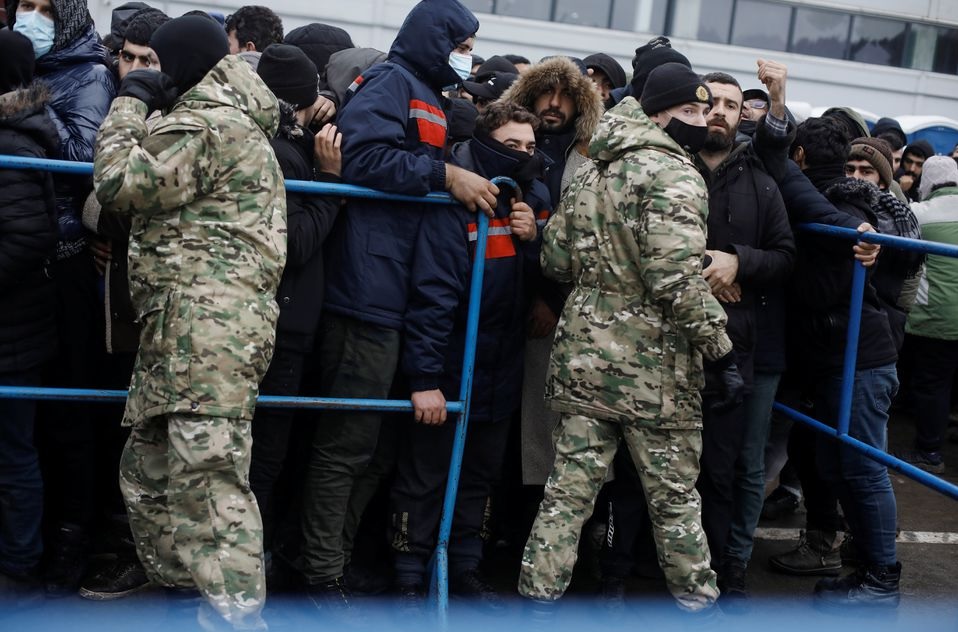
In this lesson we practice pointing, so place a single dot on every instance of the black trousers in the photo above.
(628, 539)
(821, 502)
(722, 438)
(271, 432)
(931, 385)
(417, 494)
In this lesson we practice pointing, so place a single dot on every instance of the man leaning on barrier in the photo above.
(207, 248)
(627, 359)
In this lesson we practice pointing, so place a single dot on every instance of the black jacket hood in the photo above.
(431, 31)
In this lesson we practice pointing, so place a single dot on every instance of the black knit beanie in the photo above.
(319, 42)
(673, 84)
(188, 48)
(16, 51)
(289, 73)
(656, 52)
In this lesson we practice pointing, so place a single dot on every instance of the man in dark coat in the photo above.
(302, 155)
(393, 282)
(75, 67)
(27, 325)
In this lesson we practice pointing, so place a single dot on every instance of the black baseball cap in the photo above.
(489, 85)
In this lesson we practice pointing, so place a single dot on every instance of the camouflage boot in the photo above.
(816, 554)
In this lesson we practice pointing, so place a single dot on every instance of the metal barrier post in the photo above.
(851, 348)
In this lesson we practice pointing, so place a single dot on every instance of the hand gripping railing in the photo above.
(851, 356)
(439, 583)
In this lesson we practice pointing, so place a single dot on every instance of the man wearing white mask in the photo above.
(74, 66)
(394, 275)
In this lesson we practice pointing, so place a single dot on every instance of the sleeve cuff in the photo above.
(775, 125)
(437, 179)
(420, 383)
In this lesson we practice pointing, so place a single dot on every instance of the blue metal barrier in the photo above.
(851, 355)
(440, 572)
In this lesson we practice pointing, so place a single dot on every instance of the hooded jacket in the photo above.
(935, 312)
(497, 383)
(309, 219)
(207, 244)
(630, 235)
(557, 146)
(27, 233)
(393, 264)
(82, 86)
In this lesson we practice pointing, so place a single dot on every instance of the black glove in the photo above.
(153, 88)
(729, 387)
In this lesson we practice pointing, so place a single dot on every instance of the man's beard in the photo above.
(552, 128)
(719, 141)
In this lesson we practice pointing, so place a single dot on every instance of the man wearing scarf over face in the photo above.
(503, 145)
(207, 248)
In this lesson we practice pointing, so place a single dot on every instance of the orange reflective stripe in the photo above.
(499, 244)
(430, 121)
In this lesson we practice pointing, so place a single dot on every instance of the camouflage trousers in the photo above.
(185, 480)
(668, 465)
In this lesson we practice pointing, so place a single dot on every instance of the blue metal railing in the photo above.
(439, 584)
(840, 433)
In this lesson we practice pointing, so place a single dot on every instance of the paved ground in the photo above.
(780, 603)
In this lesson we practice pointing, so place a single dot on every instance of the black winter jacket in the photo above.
(747, 218)
(27, 233)
(82, 87)
(309, 220)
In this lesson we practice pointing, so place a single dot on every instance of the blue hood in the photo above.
(431, 31)
(84, 49)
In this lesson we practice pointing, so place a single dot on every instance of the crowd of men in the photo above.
(645, 288)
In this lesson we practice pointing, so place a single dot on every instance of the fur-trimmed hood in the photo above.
(853, 191)
(25, 111)
(24, 101)
(546, 74)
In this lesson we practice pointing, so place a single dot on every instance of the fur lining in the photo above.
(546, 74)
(288, 127)
(852, 190)
(25, 100)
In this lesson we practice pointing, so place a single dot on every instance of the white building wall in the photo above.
(815, 80)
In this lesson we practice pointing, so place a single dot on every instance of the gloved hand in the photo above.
(153, 88)
(729, 386)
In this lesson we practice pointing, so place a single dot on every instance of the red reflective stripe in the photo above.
(416, 104)
(543, 215)
(500, 246)
(431, 133)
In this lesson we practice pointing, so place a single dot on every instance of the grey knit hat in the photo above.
(937, 170)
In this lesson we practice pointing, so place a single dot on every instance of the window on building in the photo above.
(480, 6)
(877, 41)
(584, 12)
(821, 33)
(946, 52)
(761, 24)
(644, 16)
(532, 9)
(703, 20)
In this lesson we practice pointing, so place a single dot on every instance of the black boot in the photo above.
(67, 563)
(471, 585)
(874, 585)
(731, 583)
(335, 602)
(612, 592)
(121, 578)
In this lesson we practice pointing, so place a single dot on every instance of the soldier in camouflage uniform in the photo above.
(207, 249)
(627, 360)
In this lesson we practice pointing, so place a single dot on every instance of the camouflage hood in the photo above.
(546, 74)
(233, 83)
(626, 128)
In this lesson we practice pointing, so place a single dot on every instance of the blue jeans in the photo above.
(21, 488)
(750, 467)
(862, 485)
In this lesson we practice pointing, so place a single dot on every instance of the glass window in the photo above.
(821, 33)
(585, 12)
(920, 47)
(704, 20)
(877, 41)
(482, 6)
(533, 9)
(761, 25)
(645, 16)
(946, 52)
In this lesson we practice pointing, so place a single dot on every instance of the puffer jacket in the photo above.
(207, 243)
(630, 235)
(497, 383)
(82, 86)
(387, 263)
(935, 312)
(27, 233)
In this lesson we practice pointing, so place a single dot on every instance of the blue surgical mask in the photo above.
(462, 64)
(39, 29)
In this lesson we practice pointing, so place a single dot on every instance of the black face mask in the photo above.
(690, 137)
(518, 165)
(748, 128)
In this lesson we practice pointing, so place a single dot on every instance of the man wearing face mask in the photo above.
(75, 68)
(207, 248)
(503, 145)
(392, 282)
(627, 360)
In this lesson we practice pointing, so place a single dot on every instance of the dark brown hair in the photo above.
(499, 113)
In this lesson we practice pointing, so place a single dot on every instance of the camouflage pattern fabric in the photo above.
(207, 249)
(668, 465)
(208, 242)
(196, 523)
(630, 235)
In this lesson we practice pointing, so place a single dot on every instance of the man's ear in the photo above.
(799, 156)
(250, 47)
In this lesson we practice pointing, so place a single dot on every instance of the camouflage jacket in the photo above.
(208, 241)
(630, 235)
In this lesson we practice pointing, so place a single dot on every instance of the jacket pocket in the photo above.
(387, 271)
